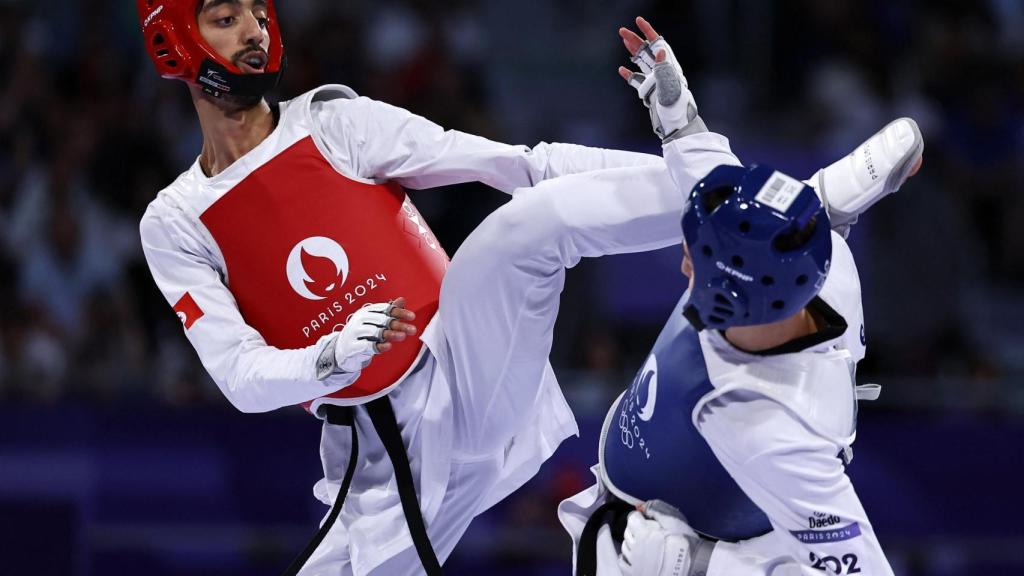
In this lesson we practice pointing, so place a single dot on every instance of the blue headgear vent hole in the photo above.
(744, 227)
(795, 239)
(737, 261)
(801, 280)
(715, 319)
(721, 299)
(778, 304)
(767, 280)
(717, 197)
(706, 250)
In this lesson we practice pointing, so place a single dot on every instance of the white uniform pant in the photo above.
(498, 305)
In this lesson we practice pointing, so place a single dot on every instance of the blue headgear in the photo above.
(760, 244)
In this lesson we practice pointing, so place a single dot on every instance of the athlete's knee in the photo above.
(530, 224)
(523, 238)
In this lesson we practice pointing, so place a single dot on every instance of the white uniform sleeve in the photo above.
(379, 141)
(796, 477)
(679, 155)
(253, 376)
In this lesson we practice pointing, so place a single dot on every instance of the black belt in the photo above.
(382, 415)
(613, 513)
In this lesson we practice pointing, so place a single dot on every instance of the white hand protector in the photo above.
(674, 108)
(658, 542)
(877, 168)
(357, 342)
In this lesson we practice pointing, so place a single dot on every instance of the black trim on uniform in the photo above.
(833, 325)
(275, 111)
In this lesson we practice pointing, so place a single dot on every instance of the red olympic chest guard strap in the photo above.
(382, 415)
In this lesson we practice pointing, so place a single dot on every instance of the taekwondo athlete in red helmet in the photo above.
(293, 256)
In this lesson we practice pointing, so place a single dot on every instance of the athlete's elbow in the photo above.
(247, 396)
(247, 405)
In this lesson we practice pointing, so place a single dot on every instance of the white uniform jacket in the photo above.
(366, 141)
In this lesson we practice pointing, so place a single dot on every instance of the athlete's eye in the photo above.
(263, 21)
(225, 21)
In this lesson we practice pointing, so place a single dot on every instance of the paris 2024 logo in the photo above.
(316, 267)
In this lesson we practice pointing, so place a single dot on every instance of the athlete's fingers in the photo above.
(389, 336)
(398, 310)
(624, 566)
(916, 167)
(634, 523)
(403, 314)
(401, 327)
(662, 55)
(632, 42)
(627, 548)
(625, 73)
(392, 336)
(646, 28)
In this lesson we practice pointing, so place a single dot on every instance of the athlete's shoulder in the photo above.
(842, 290)
(170, 199)
(331, 103)
(330, 99)
(172, 206)
(321, 94)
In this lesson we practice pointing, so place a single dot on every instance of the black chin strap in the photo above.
(218, 81)
(691, 314)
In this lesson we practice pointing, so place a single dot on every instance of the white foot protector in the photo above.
(875, 169)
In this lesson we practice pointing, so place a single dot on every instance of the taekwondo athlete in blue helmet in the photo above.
(727, 453)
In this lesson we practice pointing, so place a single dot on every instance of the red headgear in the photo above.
(179, 51)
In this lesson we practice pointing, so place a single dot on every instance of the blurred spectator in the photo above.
(89, 135)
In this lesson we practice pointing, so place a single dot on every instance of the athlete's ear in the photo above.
(687, 264)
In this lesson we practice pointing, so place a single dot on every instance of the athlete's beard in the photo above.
(235, 103)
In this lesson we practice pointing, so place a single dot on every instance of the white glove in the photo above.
(674, 108)
(357, 342)
(657, 542)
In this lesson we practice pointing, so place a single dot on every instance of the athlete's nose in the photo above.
(251, 29)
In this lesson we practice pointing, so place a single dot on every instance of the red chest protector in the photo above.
(305, 247)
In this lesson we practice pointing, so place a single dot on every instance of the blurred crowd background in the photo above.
(117, 453)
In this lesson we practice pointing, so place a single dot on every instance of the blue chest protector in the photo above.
(651, 450)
